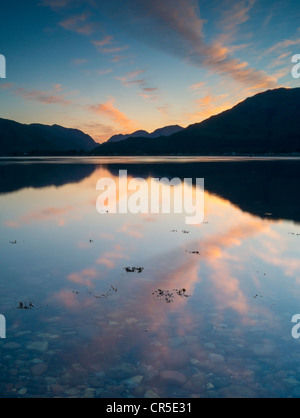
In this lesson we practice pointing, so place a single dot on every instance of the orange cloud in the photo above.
(12, 224)
(197, 86)
(45, 214)
(132, 230)
(209, 106)
(41, 215)
(111, 112)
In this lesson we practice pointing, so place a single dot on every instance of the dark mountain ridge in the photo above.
(17, 138)
(166, 131)
(268, 122)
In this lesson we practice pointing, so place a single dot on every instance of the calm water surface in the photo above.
(93, 329)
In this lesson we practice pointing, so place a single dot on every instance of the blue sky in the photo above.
(109, 67)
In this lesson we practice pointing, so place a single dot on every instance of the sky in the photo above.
(116, 66)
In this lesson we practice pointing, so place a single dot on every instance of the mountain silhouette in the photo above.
(166, 131)
(17, 138)
(268, 122)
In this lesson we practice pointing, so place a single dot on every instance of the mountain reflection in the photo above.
(20, 174)
(266, 187)
(134, 303)
(263, 187)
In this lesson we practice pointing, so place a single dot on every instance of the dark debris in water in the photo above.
(110, 291)
(23, 305)
(169, 296)
(13, 242)
(294, 233)
(105, 295)
(194, 252)
(184, 231)
(133, 269)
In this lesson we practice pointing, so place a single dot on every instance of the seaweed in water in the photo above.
(134, 269)
(169, 296)
(105, 295)
(23, 305)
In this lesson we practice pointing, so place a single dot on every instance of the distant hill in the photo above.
(268, 122)
(166, 131)
(17, 138)
(121, 137)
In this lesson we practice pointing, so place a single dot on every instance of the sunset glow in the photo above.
(115, 67)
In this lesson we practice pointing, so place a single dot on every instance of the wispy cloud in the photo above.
(106, 46)
(118, 58)
(130, 78)
(79, 24)
(111, 112)
(114, 50)
(6, 86)
(197, 86)
(103, 42)
(104, 72)
(50, 214)
(79, 61)
(179, 24)
(164, 110)
(236, 13)
(98, 131)
(43, 96)
(283, 44)
(209, 105)
(58, 87)
(56, 5)
(150, 89)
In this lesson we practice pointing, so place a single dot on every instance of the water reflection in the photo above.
(97, 329)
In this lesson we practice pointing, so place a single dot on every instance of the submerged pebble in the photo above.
(38, 346)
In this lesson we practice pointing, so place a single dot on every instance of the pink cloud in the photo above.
(108, 259)
(84, 277)
(78, 24)
(105, 41)
(42, 96)
(6, 86)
